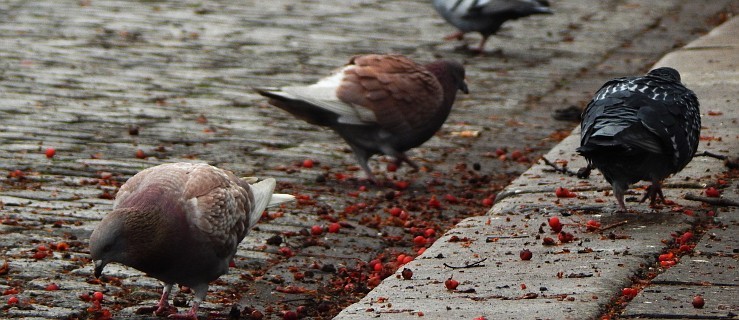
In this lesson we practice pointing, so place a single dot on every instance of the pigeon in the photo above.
(486, 16)
(641, 128)
(379, 104)
(181, 223)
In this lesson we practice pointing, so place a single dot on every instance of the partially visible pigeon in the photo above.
(486, 16)
(379, 104)
(641, 128)
(180, 223)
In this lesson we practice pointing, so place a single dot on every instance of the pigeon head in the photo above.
(122, 236)
(666, 73)
(451, 76)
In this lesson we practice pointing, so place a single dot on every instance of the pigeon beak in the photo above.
(99, 265)
(463, 88)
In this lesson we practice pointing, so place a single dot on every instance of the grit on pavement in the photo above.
(663, 257)
(100, 80)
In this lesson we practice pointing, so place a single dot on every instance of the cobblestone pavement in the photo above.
(100, 80)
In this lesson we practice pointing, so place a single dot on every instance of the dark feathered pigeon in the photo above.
(641, 128)
(486, 16)
(180, 223)
(379, 104)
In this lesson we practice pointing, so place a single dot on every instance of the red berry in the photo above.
(97, 296)
(434, 203)
(407, 273)
(555, 224)
(698, 302)
(451, 199)
(401, 185)
(140, 154)
(285, 251)
(395, 211)
(451, 284)
(289, 315)
(516, 154)
(629, 293)
(334, 227)
(525, 254)
(499, 152)
(40, 255)
(547, 241)
(316, 230)
(50, 152)
(400, 258)
(712, 192)
(13, 300)
(377, 267)
(52, 287)
(592, 225)
(407, 259)
(565, 237)
(256, 315)
(373, 281)
(391, 167)
(564, 193)
(419, 240)
(487, 202)
(307, 163)
(428, 233)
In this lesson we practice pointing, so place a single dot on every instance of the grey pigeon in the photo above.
(641, 128)
(379, 104)
(486, 16)
(180, 223)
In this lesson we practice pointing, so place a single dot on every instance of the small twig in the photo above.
(492, 238)
(469, 265)
(711, 155)
(613, 225)
(558, 168)
(723, 202)
(728, 162)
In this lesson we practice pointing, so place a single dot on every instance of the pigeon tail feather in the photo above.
(262, 192)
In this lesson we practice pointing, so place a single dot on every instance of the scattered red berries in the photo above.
(555, 224)
(13, 300)
(419, 240)
(97, 296)
(487, 202)
(712, 192)
(525, 254)
(698, 302)
(565, 237)
(50, 152)
(391, 167)
(451, 284)
(395, 211)
(289, 315)
(434, 203)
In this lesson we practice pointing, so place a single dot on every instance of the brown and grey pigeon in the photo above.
(181, 223)
(486, 16)
(379, 104)
(641, 128)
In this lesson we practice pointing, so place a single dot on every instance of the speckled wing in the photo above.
(220, 207)
(402, 94)
(653, 114)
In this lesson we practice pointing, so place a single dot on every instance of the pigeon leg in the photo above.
(362, 158)
(481, 46)
(653, 193)
(200, 292)
(401, 157)
(619, 192)
(163, 307)
(459, 35)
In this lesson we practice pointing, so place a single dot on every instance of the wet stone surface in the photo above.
(100, 80)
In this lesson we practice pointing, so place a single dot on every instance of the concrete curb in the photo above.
(576, 280)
